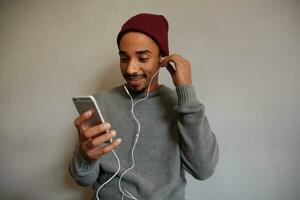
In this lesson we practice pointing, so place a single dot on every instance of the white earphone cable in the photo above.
(133, 104)
(137, 135)
(111, 178)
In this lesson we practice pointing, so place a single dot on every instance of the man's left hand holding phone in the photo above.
(95, 135)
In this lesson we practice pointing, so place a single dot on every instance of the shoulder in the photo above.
(115, 94)
(116, 91)
(168, 94)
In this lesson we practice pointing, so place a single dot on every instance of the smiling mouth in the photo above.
(134, 77)
(134, 80)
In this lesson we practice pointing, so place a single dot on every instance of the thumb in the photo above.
(171, 69)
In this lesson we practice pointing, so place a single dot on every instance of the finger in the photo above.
(110, 147)
(176, 58)
(95, 130)
(92, 153)
(79, 121)
(96, 152)
(102, 139)
(165, 62)
(169, 59)
(171, 69)
(178, 61)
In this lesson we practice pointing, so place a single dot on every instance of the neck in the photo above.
(153, 83)
(153, 87)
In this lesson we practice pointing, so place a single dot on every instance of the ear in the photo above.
(161, 59)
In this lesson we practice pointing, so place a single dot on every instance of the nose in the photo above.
(132, 67)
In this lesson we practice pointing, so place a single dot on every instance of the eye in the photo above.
(143, 59)
(124, 59)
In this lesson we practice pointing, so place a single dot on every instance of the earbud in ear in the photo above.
(161, 59)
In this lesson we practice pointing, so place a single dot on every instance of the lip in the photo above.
(134, 81)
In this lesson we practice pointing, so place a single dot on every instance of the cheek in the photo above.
(123, 67)
(152, 67)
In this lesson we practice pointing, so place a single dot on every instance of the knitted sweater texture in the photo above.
(175, 138)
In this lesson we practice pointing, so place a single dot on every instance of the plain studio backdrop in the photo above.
(245, 59)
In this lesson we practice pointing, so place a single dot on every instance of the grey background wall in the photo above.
(245, 57)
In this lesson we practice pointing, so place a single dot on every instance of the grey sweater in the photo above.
(175, 137)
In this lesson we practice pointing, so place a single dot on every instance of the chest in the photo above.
(156, 124)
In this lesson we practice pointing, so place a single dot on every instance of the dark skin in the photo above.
(139, 61)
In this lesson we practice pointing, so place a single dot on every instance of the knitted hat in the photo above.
(154, 26)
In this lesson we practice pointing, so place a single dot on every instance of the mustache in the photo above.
(134, 76)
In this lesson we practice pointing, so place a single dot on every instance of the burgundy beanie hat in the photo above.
(154, 26)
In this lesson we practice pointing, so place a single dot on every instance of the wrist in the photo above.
(186, 95)
(83, 154)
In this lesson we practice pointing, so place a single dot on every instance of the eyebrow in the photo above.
(144, 51)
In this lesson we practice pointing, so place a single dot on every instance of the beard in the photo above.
(137, 91)
(134, 77)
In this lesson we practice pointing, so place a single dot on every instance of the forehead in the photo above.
(132, 42)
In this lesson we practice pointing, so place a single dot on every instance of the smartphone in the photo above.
(85, 103)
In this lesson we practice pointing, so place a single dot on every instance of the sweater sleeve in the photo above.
(199, 148)
(84, 172)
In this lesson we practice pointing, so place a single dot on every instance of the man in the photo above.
(162, 136)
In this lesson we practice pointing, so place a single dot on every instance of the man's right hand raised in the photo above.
(93, 140)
